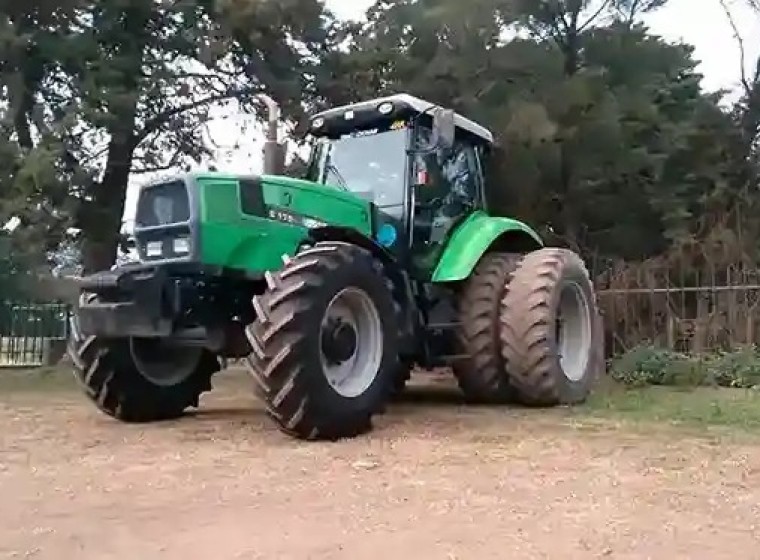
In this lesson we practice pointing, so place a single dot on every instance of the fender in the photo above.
(475, 236)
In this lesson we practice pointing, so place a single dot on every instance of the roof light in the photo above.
(385, 108)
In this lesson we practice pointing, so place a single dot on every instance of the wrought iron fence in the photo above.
(667, 304)
(693, 312)
(32, 334)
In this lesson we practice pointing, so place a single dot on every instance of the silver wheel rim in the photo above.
(574, 331)
(352, 377)
(161, 363)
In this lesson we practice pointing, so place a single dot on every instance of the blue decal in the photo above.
(387, 235)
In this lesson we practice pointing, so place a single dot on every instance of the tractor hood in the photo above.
(240, 222)
(312, 204)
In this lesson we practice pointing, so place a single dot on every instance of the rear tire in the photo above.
(110, 376)
(317, 383)
(551, 335)
(481, 375)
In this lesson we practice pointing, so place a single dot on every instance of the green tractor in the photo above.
(332, 288)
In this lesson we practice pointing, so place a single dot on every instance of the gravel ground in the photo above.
(434, 480)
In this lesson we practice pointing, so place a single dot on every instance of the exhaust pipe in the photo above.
(274, 152)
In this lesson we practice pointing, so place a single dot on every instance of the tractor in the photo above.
(333, 287)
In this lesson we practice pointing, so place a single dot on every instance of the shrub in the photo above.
(739, 369)
(649, 365)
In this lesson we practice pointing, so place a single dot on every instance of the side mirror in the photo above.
(444, 129)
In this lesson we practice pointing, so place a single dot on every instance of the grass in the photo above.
(694, 407)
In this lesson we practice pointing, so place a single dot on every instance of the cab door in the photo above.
(447, 187)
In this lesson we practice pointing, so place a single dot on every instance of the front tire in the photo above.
(551, 335)
(113, 376)
(325, 343)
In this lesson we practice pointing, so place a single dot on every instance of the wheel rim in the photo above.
(162, 363)
(351, 342)
(574, 331)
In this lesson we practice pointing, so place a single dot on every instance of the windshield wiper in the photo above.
(330, 167)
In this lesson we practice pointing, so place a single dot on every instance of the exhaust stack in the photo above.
(274, 152)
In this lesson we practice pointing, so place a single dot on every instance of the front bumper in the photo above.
(137, 300)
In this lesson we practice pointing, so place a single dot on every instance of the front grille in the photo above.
(164, 204)
(163, 229)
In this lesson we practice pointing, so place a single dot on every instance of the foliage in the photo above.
(605, 136)
(97, 91)
(647, 365)
(604, 131)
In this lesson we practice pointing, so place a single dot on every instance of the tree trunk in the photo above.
(571, 52)
(103, 213)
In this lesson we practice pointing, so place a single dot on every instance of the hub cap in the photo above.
(163, 363)
(574, 331)
(351, 342)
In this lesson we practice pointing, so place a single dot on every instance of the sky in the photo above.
(701, 23)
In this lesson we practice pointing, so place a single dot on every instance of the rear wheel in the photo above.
(481, 374)
(551, 336)
(325, 343)
(138, 380)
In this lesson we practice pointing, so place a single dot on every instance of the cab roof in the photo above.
(403, 104)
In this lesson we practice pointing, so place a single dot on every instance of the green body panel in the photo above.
(471, 239)
(322, 202)
(230, 238)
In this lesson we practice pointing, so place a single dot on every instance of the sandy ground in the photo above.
(435, 480)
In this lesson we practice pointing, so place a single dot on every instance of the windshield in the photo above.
(371, 165)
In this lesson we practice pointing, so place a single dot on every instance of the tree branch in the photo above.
(742, 50)
(173, 162)
(594, 17)
(152, 125)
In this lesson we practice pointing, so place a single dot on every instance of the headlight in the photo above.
(154, 249)
(182, 246)
(385, 108)
(169, 248)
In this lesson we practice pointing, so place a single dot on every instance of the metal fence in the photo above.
(690, 311)
(32, 334)
(659, 303)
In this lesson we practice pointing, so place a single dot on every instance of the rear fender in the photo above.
(477, 235)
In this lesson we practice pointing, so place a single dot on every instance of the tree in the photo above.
(592, 113)
(127, 87)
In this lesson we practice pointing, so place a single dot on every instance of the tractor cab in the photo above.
(419, 164)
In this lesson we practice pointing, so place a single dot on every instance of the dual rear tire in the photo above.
(530, 330)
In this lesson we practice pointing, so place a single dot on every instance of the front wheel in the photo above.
(551, 335)
(325, 342)
(136, 380)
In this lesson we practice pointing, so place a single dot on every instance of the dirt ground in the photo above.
(435, 480)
